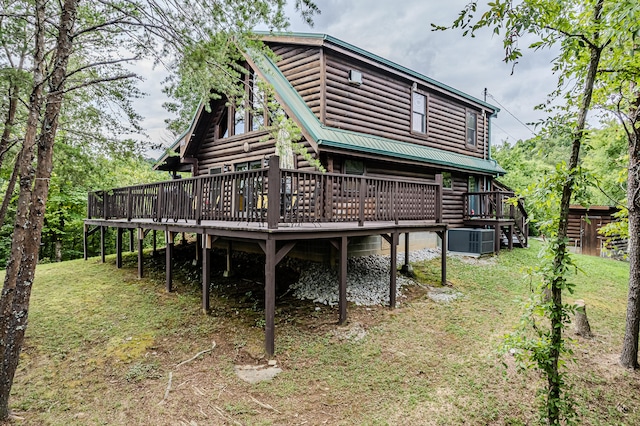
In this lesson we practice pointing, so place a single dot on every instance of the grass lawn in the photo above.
(102, 345)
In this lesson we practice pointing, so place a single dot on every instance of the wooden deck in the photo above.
(300, 206)
(500, 210)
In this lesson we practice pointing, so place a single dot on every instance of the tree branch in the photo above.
(100, 80)
(97, 64)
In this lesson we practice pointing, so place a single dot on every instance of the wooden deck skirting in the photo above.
(239, 206)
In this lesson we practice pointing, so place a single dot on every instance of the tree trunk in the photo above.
(558, 282)
(580, 321)
(23, 260)
(10, 189)
(629, 355)
(9, 121)
(8, 350)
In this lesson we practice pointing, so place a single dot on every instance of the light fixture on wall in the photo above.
(227, 168)
(355, 77)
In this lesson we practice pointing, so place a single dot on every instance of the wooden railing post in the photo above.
(159, 201)
(198, 203)
(104, 205)
(273, 192)
(498, 201)
(89, 205)
(438, 200)
(129, 204)
(363, 198)
(394, 194)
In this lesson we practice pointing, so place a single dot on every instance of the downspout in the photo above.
(494, 114)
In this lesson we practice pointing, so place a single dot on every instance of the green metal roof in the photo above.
(379, 59)
(360, 142)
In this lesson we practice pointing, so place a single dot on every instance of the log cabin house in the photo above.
(404, 155)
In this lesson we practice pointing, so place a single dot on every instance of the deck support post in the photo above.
(510, 237)
(119, 248)
(199, 243)
(342, 298)
(496, 238)
(168, 262)
(406, 268)
(140, 254)
(102, 251)
(443, 259)
(155, 244)
(229, 271)
(394, 270)
(269, 296)
(85, 241)
(131, 246)
(206, 272)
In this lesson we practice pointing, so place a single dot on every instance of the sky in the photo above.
(400, 31)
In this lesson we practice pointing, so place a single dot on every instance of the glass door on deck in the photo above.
(474, 200)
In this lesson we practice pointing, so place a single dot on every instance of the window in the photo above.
(419, 113)
(447, 180)
(223, 125)
(215, 171)
(258, 101)
(238, 120)
(353, 167)
(248, 114)
(472, 128)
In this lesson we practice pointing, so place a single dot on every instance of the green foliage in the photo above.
(532, 342)
(532, 164)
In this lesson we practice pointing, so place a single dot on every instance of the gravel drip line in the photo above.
(367, 279)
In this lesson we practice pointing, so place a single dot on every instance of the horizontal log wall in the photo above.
(215, 153)
(382, 106)
(302, 67)
(453, 201)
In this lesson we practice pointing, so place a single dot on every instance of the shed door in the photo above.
(589, 231)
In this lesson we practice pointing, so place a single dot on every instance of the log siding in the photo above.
(381, 106)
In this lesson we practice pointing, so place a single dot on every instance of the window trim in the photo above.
(425, 115)
(474, 145)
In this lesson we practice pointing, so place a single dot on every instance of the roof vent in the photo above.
(355, 77)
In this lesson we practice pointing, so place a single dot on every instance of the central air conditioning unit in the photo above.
(471, 240)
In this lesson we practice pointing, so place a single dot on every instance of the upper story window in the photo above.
(418, 112)
(472, 128)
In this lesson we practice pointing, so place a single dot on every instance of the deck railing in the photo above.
(273, 196)
(497, 205)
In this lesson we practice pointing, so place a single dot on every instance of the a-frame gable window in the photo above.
(247, 115)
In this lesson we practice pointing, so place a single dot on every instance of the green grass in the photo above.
(101, 344)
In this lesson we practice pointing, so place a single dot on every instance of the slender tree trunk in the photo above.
(23, 260)
(9, 121)
(553, 376)
(629, 355)
(26, 172)
(10, 189)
